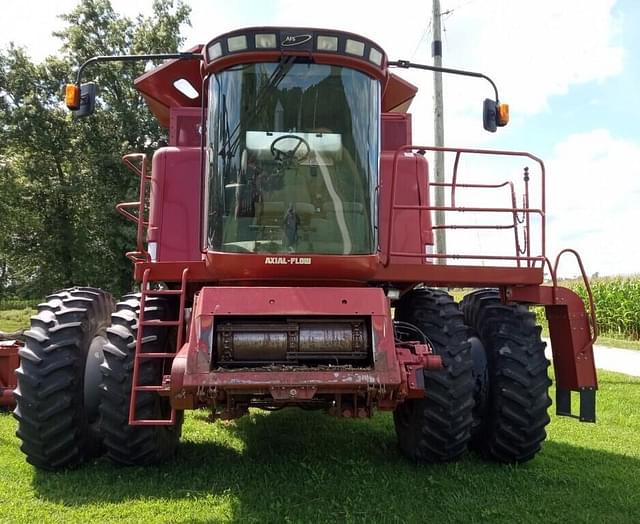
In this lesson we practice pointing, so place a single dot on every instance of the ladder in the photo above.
(166, 357)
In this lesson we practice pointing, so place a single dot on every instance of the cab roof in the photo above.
(178, 83)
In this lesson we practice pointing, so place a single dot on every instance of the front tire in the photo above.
(137, 445)
(58, 379)
(512, 427)
(437, 428)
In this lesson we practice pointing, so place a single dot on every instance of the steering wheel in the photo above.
(282, 155)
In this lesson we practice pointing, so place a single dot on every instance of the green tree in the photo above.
(61, 177)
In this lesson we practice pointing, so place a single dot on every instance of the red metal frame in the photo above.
(9, 361)
(166, 356)
(526, 211)
(141, 254)
(516, 221)
(573, 333)
(389, 380)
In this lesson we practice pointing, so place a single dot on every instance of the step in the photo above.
(160, 323)
(161, 292)
(155, 355)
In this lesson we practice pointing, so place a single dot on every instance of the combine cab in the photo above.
(284, 256)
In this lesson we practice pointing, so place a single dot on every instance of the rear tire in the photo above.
(137, 445)
(512, 427)
(58, 379)
(437, 428)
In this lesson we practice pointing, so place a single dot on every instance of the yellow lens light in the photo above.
(72, 96)
(267, 41)
(354, 47)
(327, 43)
(503, 114)
(237, 43)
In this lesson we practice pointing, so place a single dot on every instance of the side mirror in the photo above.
(490, 115)
(494, 115)
(81, 100)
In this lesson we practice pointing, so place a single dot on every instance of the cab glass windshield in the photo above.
(292, 156)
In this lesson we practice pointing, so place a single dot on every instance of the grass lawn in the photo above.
(13, 319)
(295, 466)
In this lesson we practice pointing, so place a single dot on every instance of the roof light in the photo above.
(292, 39)
(266, 41)
(184, 86)
(214, 51)
(237, 43)
(327, 43)
(354, 47)
(375, 56)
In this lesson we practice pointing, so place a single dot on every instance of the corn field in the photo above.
(617, 302)
(7, 304)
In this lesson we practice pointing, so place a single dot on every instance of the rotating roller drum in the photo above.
(284, 341)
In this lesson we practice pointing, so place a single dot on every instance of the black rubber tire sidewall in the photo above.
(126, 444)
(438, 427)
(53, 424)
(516, 415)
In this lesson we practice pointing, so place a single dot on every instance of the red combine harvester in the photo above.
(284, 258)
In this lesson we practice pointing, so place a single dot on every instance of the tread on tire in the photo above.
(136, 445)
(56, 427)
(437, 428)
(513, 426)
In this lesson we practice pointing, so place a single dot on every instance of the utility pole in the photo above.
(438, 129)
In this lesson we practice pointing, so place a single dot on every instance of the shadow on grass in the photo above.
(310, 467)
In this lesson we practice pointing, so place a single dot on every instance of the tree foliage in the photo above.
(61, 177)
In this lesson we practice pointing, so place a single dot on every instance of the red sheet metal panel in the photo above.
(191, 368)
(158, 89)
(398, 94)
(175, 204)
(569, 331)
(185, 126)
(412, 227)
(395, 130)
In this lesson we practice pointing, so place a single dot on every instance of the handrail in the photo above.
(137, 163)
(454, 179)
(525, 210)
(585, 279)
(526, 204)
(454, 186)
(466, 257)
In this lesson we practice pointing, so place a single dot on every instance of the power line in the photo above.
(425, 35)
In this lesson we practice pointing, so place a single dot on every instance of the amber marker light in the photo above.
(503, 114)
(72, 96)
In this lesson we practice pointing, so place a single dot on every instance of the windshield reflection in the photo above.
(292, 159)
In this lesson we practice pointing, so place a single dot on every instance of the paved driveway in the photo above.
(613, 359)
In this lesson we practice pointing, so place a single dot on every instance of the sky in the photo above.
(570, 71)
